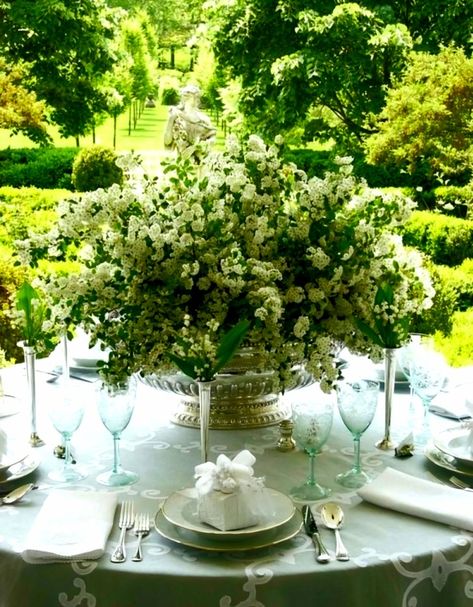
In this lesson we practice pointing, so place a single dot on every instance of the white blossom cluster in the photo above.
(166, 266)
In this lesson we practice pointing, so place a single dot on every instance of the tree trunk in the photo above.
(130, 109)
(173, 57)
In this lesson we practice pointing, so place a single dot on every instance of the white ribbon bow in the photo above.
(227, 476)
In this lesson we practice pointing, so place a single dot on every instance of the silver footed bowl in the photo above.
(243, 396)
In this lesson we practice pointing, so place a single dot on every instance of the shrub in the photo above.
(169, 85)
(454, 200)
(313, 162)
(446, 240)
(445, 301)
(11, 277)
(458, 346)
(39, 167)
(21, 208)
(95, 167)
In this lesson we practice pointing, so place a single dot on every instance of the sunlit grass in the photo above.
(148, 134)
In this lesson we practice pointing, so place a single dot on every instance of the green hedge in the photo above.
(458, 346)
(314, 162)
(11, 277)
(446, 240)
(23, 209)
(40, 167)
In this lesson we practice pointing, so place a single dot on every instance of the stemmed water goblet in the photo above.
(116, 405)
(427, 374)
(312, 418)
(357, 400)
(66, 412)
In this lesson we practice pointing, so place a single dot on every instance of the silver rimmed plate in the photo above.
(446, 461)
(456, 442)
(20, 469)
(239, 543)
(180, 509)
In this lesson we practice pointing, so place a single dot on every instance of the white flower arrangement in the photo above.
(168, 266)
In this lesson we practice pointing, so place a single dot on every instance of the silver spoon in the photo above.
(332, 517)
(17, 494)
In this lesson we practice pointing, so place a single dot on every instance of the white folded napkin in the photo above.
(455, 404)
(71, 526)
(405, 493)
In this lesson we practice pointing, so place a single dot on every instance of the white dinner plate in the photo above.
(243, 542)
(456, 442)
(180, 509)
(19, 470)
(446, 461)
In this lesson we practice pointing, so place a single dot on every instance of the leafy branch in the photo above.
(202, 368)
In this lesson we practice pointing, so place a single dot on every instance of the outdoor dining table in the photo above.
(396, 560)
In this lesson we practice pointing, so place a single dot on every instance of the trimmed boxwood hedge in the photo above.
(446, 240)
(39, 167)
(22, 209)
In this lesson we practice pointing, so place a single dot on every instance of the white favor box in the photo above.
(226, 511)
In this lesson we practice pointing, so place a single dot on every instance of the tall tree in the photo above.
(293, 57)
(426, 128)
(65, 44)
(20, 110)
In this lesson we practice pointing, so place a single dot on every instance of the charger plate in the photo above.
(445, 461)
(23, 468)
(233, 544)
(180, 509)
(455, 442)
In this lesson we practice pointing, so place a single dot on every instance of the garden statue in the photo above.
(188, 126)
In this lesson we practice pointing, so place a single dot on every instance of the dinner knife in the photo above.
(312, 531)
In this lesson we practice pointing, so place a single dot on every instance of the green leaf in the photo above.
(186, 365)
(369, 332)
(230, 343)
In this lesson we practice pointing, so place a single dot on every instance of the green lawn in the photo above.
(148, 134)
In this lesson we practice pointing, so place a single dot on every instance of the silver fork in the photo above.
(125, 522)
(460, 484)
(141, 530)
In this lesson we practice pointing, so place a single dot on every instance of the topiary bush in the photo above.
(446, 240)
(95, 167)
(38, 167)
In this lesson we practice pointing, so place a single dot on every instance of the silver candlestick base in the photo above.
(35, 440)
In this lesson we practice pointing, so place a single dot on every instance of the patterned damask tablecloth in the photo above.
(396, 560)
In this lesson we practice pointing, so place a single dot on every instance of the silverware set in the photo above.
(127, 520)
(332, 517)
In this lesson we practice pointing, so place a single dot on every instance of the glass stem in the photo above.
(67, 451)
(357, 459)
(311, 480)
(116, 453)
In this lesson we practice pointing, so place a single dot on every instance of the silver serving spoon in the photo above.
(332, 517)
(17, 494)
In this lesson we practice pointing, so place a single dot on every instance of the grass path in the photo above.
(146, 139)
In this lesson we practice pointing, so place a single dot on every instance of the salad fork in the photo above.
(460, 484)
(125, 522)
(141, 530)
